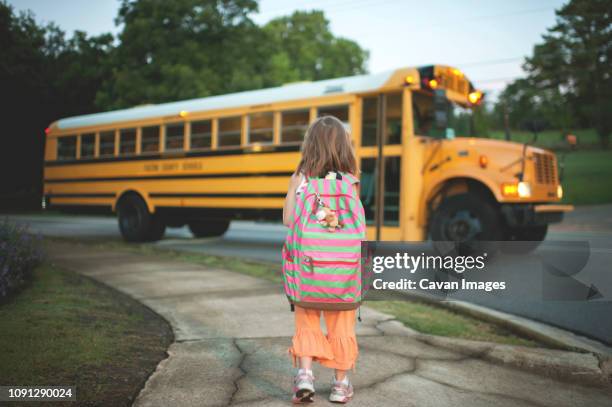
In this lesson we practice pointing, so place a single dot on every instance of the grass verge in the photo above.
(433, 320)
(66, 329)
(425, 318)
(586, 177)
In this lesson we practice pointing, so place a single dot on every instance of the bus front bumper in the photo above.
(521, 215)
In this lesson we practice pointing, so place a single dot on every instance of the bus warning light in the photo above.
(183, 113)
(433, 83)
(475, 97)
(409, 80)
(47, 130)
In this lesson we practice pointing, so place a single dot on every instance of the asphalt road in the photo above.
(262, 241)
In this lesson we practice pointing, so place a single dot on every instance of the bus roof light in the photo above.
(409, 80)
(475, 97)
(433, 83)
(183, 113)
(47, 130)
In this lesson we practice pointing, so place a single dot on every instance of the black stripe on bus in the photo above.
(177, 155)
(161, 177)
(218, 195)
(84, 195)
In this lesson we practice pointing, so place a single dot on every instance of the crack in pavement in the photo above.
(243, 356)
(471, 391)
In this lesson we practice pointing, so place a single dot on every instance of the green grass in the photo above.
(586, 177)
(433, 320)
(421, 317)
(66, 329)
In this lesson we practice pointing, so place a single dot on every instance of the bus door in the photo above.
(381, 153)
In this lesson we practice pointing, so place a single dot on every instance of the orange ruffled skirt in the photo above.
(336, 350)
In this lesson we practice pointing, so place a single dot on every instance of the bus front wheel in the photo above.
(208, 228)
(469, 221)
(136, 223)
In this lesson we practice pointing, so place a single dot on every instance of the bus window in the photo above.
(229, 131)
(261, 127)
(367, 190)
(340, 112)
(175, 136)
(88, 145)
(66, 148)
(201, 134)
(149, 142)
(422, 114)
(369, 121)
(393, 118)
(127, 141)
(294, 125)
(107, 143)
(392, 191)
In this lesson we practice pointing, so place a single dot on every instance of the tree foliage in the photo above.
(569, 79)
(194, 48)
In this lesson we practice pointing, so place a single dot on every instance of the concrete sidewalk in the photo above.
(232, 333)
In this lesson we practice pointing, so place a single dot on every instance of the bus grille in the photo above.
(545, 168)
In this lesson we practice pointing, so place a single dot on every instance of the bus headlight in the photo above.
(559, 191)
(524, 189)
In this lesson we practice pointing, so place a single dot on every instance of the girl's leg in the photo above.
(306, 362)
(341, 336)
(342, 339)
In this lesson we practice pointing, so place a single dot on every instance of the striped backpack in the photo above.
(322, 251)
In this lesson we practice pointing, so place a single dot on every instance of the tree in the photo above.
(43, 76)
(305, 43)
(171, 50)
(569, 77)
(194, 48)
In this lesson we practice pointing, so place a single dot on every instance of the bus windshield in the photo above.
(436, 116)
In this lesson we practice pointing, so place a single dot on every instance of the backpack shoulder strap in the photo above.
(350, 177)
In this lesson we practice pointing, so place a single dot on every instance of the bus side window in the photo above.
(340, 112)
(88, 145)
(66, 147)
(201, 134)
(229, 131)
(261, 127)
(107, 143)
(293, 125)
(127, 141)
(174, 136)
(369, 121)
(149, 142)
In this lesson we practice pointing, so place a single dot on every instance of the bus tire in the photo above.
(524, 240)
(136, 224)
(470, 221)
(208, 227)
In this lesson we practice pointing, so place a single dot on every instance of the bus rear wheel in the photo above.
(471, 222)
(208, 227)
(525, 239)
(136, 223)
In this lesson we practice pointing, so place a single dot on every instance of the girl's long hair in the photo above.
(327, 147)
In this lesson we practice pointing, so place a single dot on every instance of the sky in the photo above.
(488, 40)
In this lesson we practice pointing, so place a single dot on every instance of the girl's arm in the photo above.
(289, 207)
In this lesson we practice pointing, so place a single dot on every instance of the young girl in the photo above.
(327, 147)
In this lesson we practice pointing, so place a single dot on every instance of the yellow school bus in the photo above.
(204, 162)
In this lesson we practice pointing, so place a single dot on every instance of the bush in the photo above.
(20, 253)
